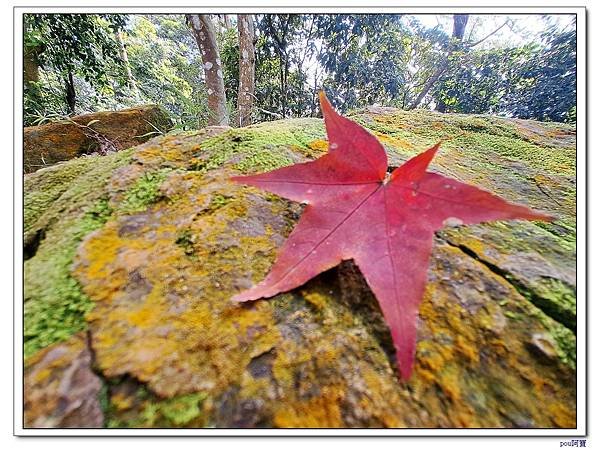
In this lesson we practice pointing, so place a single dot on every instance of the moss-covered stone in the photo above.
(97, 132)
(54, 305)
(173, 240)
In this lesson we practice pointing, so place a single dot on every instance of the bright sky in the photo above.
(524, 28)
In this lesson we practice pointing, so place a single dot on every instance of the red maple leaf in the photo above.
(384, 222)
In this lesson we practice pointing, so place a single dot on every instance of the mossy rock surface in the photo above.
(143, 250)
(99, 132)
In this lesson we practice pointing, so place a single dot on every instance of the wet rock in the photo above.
(61, 390)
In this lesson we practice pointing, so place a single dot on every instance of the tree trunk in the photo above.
(123, 51)
(70, 94)
(204, 33)
(246, 87)
(458, 32)
(227, 21)
(31, 69)
(460, 23)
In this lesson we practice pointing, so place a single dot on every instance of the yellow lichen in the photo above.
(320, 411)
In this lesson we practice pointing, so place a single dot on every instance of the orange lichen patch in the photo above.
(395, 141)
(166, 154)
(315, 299)
(562, 416)
(467, 350)
(145, 316)
(319, 145)
(550, 183)
(449, 383)
(181, 150)
(99, 254)
(171, 325)
(156, 321)
(319, 411)
(391, 120)
(378, 392)
(311, 150)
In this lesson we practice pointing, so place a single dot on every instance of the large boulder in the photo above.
(99, 132)
(143, 249)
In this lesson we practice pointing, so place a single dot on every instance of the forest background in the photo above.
(241, 69)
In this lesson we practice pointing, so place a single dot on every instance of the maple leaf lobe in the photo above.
(384, 223)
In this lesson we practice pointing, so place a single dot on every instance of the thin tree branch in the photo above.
(270, 113)
(473, 44)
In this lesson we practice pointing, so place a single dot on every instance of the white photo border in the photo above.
(582, 182)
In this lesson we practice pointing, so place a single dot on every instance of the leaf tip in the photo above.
(326, 107)
(322, 96)
(539, 215)
(414, 168)
(241, 298)
(405, 372)
(238, 179)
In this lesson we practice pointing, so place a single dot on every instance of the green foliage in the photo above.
(285, 44)
(516, 81)
(167, 66)
(230, 56)
(70, 45)
(551, 73)
(354, 50)
(75, 42)
(359, 59)
(43, 102)
(482, 81)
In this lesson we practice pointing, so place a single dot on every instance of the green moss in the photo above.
(564, 229)
(551, 159)
(482, 141)
(263, 160)
(144, 192)
(210, 331)
(218, 201)
(261, 147)
(185, 240)
(183, 409)
(104, 399)
(44, 187)
(145, 410)
(567, 345)
(557, 299)
(436, 126)
(565, 339)
(54, 305)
